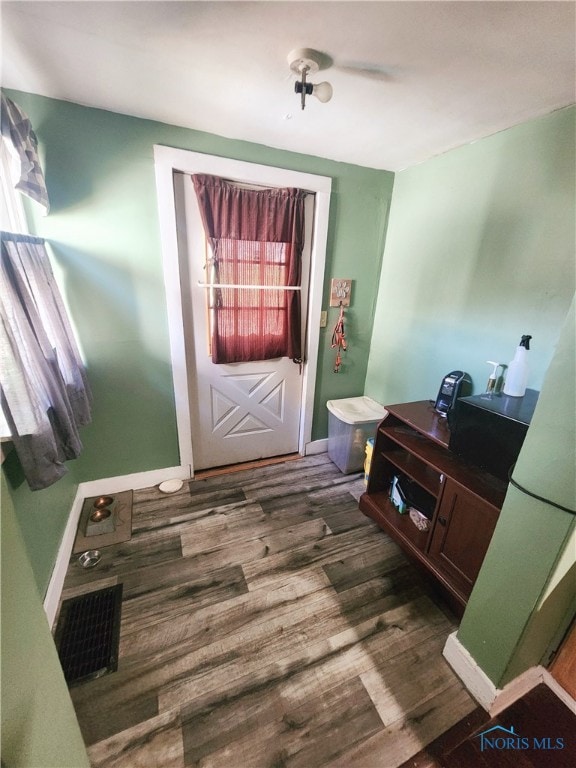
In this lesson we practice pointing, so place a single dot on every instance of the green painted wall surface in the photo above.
(501, 628)
(104, 233)
(556, 608)
(479, 250)
(39, 726)
(103, 227)
(41, 515)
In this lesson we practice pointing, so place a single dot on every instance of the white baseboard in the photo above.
(491, 698)
(316, 446)
(134, 481)
(529, 679)
(474, 678)
(95, 488)
(52, 597)
(516, 688)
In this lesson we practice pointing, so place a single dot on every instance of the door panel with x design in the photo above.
(251, 414)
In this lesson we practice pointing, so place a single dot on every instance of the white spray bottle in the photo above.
(517, 376)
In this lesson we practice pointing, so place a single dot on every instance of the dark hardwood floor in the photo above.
(266, 623)
(536, 731)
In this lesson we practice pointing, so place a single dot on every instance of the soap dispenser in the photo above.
(492, 384)
(517, 377)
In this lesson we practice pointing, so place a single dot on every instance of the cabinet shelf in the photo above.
(387, 516)
(416, 444)
(416, 470)
(444, 462)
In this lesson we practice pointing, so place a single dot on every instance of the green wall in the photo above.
(39, 726)
(479, 250)
(42, 516)
(104, 232)
(526, 587)
(103, 226)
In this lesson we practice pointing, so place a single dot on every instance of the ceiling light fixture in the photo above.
(304, 62)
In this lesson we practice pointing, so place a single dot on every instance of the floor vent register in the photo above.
(88, 634)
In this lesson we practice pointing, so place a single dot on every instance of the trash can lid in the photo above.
(356, 410)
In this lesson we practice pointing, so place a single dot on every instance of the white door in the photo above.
(168, 163)
(239, 411)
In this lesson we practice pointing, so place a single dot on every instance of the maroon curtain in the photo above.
(256, 238)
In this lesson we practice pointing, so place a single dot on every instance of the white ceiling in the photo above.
(411, 79)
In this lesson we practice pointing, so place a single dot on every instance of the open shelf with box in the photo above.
(461, 503)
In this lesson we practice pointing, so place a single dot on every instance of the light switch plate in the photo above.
(323, 319)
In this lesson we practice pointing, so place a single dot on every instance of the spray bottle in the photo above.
(517, 377)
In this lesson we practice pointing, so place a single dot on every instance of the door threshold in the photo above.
(202, 474)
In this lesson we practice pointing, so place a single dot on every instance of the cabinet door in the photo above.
(462, 532)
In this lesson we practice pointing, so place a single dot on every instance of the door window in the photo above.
(254, 270)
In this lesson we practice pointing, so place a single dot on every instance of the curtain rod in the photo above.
(251, 287)
(17, 238)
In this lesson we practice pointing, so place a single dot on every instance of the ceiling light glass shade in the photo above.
(323, 92)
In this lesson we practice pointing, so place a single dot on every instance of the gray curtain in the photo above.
(45, 394)
(22, 143)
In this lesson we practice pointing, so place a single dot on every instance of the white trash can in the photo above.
(351, 422)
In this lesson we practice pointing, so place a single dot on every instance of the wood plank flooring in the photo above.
(544, 737)
(266, 623)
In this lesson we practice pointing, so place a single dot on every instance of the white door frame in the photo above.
(167, 161)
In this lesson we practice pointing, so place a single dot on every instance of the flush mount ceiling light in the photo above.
(304, 62)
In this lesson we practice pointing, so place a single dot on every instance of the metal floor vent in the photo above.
(88, 634)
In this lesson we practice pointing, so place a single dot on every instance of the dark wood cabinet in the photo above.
(462, 532)
(461, 504)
